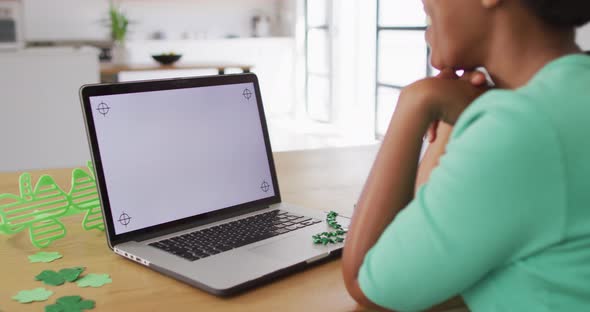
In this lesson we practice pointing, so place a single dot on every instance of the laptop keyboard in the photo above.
(204, 243)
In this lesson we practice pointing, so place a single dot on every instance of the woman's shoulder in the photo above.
(506, 109)
(557, 94)
(563, 81)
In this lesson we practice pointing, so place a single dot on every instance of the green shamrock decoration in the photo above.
(50, 277)
(333, 237)
(70, 304)
(72, 274)
(53, 278)
(44, 257)
(94, 280)
(37, 294)
(84, 196)
(39, 210)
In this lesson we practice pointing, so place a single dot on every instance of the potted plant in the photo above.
(119, 24)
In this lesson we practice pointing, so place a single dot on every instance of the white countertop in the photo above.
(36, 51)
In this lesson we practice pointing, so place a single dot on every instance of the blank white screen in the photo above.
(174, 154)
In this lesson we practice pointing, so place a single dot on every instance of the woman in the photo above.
(504, 218)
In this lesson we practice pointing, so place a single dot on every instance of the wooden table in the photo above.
(328, 179)
(109, 72)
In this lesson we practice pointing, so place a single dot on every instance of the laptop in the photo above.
(187, 183)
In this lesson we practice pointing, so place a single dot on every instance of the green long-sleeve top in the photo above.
(504, 220)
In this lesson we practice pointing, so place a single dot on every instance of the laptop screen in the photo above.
(173, 154)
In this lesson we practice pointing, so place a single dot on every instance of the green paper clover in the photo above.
(50, 277)
(94, 280)
(37, 294)
(72, 274)
(70, 304)
(53, 278)
(45, 257)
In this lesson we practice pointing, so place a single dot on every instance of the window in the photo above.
(318, 59)
(402, 54)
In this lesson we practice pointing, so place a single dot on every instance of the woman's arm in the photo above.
(390, 186)
(385, 194)
(430, 161)
(435, 150)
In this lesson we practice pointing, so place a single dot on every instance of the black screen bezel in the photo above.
(88, 91)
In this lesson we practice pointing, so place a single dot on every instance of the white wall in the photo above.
(65, 20)
(584, 37)
(41, 124)
(202, 19)
(272, 60)
(62, 20)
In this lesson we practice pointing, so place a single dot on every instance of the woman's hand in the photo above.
(447, 95)
(476, 78)
(439, 132)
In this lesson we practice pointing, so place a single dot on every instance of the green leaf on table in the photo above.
(50, 277)
(45, 257)
(70, 304)
(37, 294)
(72, 274)
(94, 280)
(53, 278)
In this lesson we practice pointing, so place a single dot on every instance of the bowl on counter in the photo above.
(167, 58)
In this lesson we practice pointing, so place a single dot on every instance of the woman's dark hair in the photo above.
(561, 13)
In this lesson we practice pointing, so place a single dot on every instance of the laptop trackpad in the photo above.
(293, 248)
